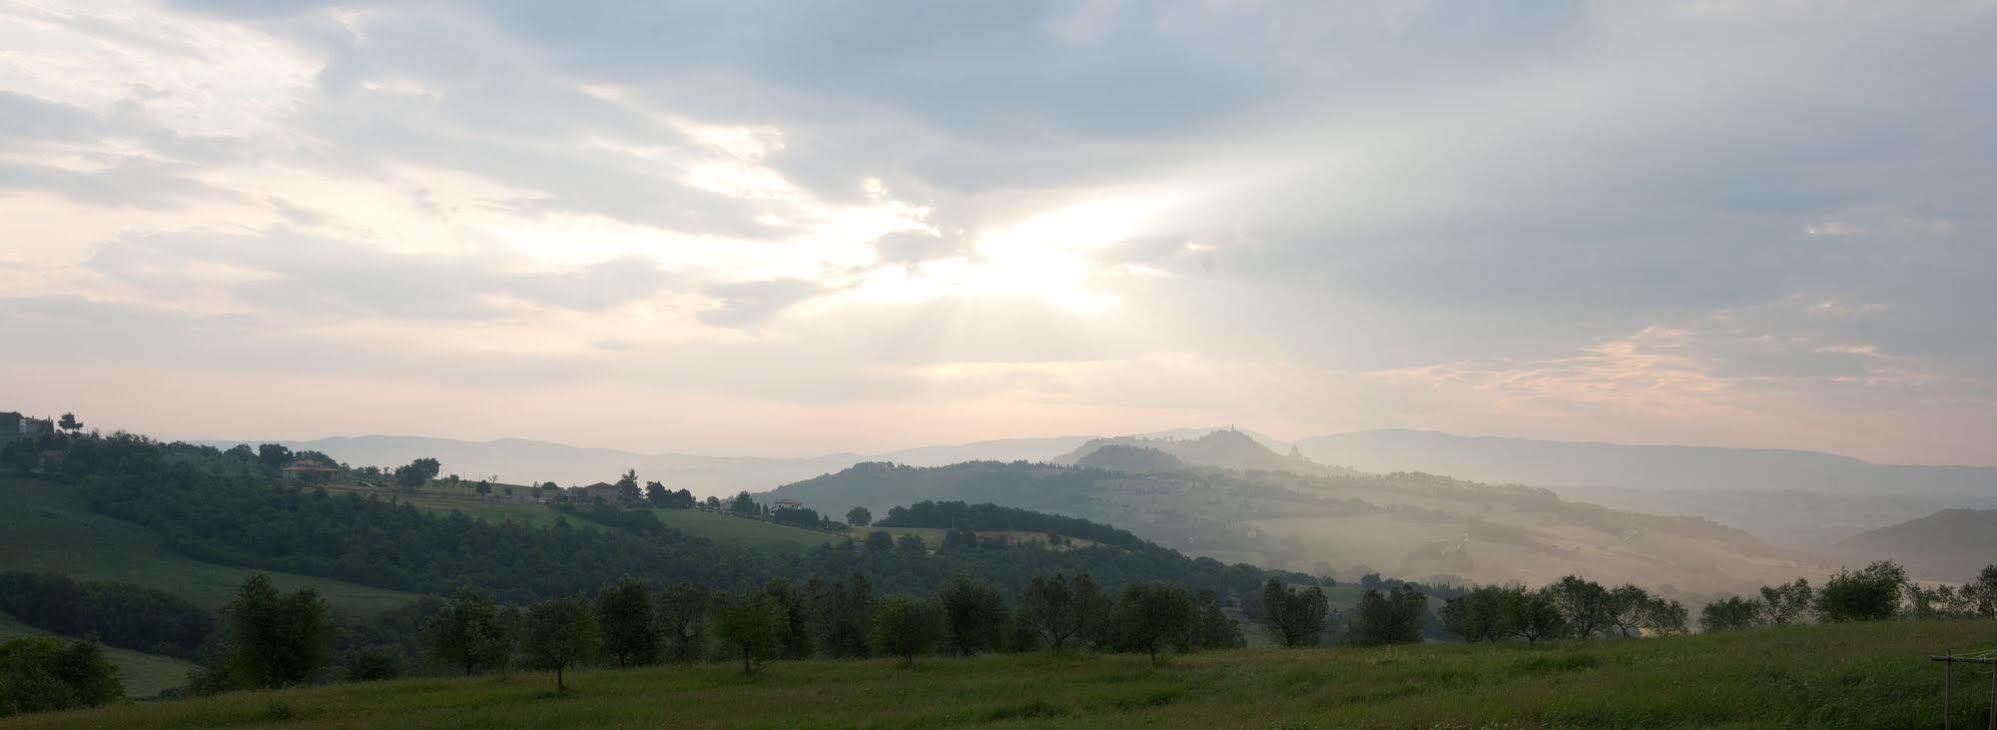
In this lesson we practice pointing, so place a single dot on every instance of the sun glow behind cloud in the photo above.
(1048, 257)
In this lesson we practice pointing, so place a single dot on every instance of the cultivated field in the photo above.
(1850, 676)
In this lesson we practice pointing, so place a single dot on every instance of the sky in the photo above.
(796, 227)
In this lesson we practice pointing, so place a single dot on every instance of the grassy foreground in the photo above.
(1856, 676)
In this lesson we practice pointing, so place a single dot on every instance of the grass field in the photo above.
(143, 675)
(444, 501)
(48, 527)
(1851, 676)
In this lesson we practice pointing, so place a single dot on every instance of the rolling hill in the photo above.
(1222, 449)
(1949, 545)
(49, 527)
(1413, 526)
(1801, 498)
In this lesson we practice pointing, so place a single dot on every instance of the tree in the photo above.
(682, 618)
(1583, 605)
(906, 627)
(859, 517)
(274, 456)
(1942, 601)
(1535, 616)
(714, 503)
(559, 634)
(277, 639)
(1092, 611)
(1211, 627)
(974, 617)
(1982, 592)
(69, 423)
(484, 488)
(1149, 617)
(1296, 617)
(43, 673)
(1786, 603)
(1393, 617)
(624, 615)
(1485, 613)
(1665, 618)
(1051, 607)
(959, 538)
(794, 637)
(1627, 607)
(751, 625)
(1732, 613)
(417, 473)
(1870, 594)
(468, 633)
(879, 541)
(842, 614)
(911, 543)
(657, 495)
(627, 488)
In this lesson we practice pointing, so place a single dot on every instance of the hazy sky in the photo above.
(791, 227)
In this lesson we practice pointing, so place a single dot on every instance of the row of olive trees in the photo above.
(629, 625)
(1571, 607)
(1876, 592)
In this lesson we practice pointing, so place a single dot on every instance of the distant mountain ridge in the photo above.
(1684, 468)
(1797, 498)
(1221, 449)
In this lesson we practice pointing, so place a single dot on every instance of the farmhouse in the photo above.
(309, 468)
(600, 490)
(14, 425)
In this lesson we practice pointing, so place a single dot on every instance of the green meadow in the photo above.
(1872, 675)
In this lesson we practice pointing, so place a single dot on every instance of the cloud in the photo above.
(1549, 219)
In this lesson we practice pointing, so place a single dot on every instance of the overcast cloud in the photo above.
(795, 227)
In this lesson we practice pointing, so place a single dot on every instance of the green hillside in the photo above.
(1872, 675)
(48, 527)
(144, 675)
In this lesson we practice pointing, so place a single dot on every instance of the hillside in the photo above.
(1123, 457)
(1413, 526)
(1949, 545)
(1800, 498)
(1868, 675)
(49, 527)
